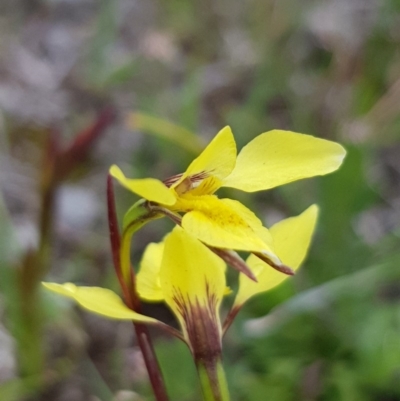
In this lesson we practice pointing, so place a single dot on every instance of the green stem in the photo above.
(213, 381)
(144, 216)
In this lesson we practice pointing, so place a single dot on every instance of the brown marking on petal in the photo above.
(281, 268)
(184, 186)
(172, 180)
(207, 186)
(202, 324)
(188, 183)
(199, 176)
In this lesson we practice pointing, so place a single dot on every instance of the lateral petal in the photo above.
(148, 279)
(292, 238)
(147, 188)
(99, 300)
(279, 157)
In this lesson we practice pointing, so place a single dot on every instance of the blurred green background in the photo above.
(176, 72)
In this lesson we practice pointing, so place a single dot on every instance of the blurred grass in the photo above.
(330, 69)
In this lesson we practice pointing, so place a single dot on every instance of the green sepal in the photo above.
(138, 211)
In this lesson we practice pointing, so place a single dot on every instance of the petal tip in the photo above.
(342, 152)
(115, 172)
(287, 270)
(226, 128)
(313, 210)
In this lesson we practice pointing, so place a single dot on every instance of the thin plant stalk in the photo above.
(120, 255)
(213, 381)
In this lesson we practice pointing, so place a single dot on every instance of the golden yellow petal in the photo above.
(147, 188)
(99, 300)
(217, 160)
(279, 157)
(292, 238)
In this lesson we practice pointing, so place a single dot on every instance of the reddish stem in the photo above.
(115, 239)
(132, 300)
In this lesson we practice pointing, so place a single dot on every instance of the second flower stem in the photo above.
(213, 381)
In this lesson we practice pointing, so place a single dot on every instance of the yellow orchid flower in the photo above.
(191, 280)
(271, 159)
